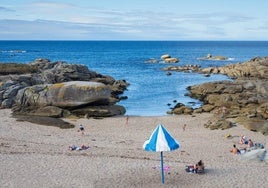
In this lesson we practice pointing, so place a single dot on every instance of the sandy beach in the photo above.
(34, 155)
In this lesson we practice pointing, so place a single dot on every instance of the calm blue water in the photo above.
(151, 89)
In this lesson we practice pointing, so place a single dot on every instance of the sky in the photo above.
(134, 20)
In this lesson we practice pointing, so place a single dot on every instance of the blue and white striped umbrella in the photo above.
(160, 141)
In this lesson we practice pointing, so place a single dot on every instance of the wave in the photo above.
(13, 51)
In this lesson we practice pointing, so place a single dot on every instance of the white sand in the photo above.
(34, 155)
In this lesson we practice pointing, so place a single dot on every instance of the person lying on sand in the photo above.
(74, 147)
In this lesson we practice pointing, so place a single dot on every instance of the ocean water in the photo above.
(150, 90)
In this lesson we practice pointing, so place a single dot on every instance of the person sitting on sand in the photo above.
(250, 143)
(199, 167)
(243, 139)
(234, 150)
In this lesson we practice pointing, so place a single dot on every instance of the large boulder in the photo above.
(180, 108)
(168, 59)
(171, 60)
(64, 95)
(163, 57)
(218, 124)
(43, 72)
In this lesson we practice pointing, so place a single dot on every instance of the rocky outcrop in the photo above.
(168, 59)
(256, 68)
(245, 98)
(180, 108)
(186, 68)
(219, 123)
(59, 87)
(214, 58)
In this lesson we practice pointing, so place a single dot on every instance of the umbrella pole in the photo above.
(162, 167)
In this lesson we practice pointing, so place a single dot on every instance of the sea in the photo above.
(151, 91)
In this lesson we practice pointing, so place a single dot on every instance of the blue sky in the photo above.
(134, 20)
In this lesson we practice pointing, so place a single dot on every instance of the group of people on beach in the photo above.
(243, 140)
(83, 147)
(248, 143)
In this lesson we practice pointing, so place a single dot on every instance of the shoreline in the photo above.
(34, 155)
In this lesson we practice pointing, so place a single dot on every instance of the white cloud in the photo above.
(45, 19)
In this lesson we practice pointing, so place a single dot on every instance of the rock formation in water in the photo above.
(214, 58)
(245, 98)
(59, 89)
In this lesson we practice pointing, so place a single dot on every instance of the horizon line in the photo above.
(133, 40)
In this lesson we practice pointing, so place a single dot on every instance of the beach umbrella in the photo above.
(160, 141)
